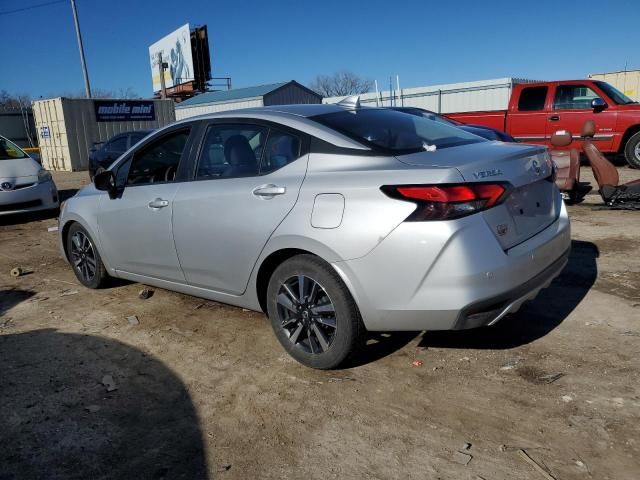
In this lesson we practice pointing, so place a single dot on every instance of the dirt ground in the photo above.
(203, 390)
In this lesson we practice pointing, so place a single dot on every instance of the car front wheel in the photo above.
(313, 314)
(84, 258)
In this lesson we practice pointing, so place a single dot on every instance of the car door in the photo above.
(572, 107)
(526, 121)
(135, 227)
(246, 181)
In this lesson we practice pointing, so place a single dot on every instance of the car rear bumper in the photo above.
(40, 196)
(452, 275)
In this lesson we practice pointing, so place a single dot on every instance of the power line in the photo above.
(23, 9)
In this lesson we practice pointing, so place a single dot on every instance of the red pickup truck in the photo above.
(537, 110)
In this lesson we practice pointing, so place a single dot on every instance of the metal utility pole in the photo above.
(162, 66)
(87, 87)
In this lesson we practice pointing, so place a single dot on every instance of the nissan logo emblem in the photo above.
(6, 186)
(536, 167)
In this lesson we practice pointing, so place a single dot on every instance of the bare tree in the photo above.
(341, 84)
(9, 100)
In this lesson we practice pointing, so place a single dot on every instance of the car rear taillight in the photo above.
(444, 202)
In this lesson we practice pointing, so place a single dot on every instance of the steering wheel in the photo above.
(170, 174)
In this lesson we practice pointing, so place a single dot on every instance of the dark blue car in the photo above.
(480, 130)
(102, 154)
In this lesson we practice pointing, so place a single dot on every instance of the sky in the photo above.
(256, 42)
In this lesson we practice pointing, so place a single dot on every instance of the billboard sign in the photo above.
(124, 110)
(175, 49)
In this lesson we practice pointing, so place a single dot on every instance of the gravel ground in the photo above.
(195, 389)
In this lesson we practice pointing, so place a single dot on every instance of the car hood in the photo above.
(19, 167)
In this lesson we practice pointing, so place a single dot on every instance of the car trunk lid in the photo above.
(532, 203)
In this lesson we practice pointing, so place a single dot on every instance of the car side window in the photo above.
(573, 97)
(117, 145)
(230, 151)
(158, 161)
(532, 99)
(280, 150)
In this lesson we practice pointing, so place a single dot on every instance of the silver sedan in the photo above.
(332, 219)
(24, 185)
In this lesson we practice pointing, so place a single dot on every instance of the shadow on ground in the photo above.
(10, 297)
(21, 218)
(536, 318)
(57, 420)
(380, 345)
(67, 193)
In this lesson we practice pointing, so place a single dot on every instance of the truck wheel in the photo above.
(313, 314)
(632, 150)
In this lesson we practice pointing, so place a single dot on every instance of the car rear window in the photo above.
(395, 132)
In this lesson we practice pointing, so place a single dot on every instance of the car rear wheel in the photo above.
(313, 314)
(632, 151)
(84, 258)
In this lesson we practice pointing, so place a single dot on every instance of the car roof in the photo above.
(293, 116)
(303, 110)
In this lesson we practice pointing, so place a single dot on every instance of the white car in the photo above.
(24, 185)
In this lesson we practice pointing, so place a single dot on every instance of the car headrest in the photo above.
(238, 151)
(589, 128)
(561, 138)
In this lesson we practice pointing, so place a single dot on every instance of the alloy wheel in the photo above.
(83, 256)
(307, 314)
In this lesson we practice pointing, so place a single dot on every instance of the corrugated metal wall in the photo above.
(291, 94)
(192, 111)
(73, 129)
(454, 97)
(628, 82)
(17, 125)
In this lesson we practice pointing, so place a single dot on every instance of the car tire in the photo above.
(319, 325)
(632, 150)
(84, 258)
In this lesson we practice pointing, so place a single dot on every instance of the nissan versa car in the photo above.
(24, 185)
(332, 219)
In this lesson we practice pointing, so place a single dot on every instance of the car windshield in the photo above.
(615, 94)
(395, 132)
(10, 151)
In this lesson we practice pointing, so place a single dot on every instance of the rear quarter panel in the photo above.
(369, 215)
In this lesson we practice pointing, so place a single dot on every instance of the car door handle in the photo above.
(158, 203)
(269, 191)
(554, 118)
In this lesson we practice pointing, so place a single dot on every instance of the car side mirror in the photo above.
(598, 104)
(105, 181)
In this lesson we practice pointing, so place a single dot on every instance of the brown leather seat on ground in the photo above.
(567, 162)
(606, 173)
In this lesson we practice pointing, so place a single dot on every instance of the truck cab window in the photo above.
(573, 97)
(532, 98)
